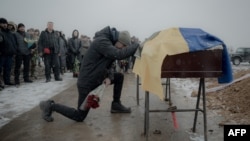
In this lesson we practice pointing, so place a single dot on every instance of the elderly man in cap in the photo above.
(48, 48)
(7, 50)
(108, 45)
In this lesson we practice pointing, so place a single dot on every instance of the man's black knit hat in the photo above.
(20, 25)
(3, 21)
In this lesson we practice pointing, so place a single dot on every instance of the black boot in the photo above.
(58, 79)
(17, 82)
(117, 107)
(28, 81)
(9, 83)
(48, 78)
(46, 107)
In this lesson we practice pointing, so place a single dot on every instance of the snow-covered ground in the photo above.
(16, 100)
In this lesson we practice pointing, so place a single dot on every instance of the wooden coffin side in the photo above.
(206, 63)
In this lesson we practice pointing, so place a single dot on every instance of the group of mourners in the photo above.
(22, 49)
(92, 62)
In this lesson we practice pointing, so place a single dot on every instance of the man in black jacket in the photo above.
(7, 51)
(48, 47)
(23, 55)
(108, 45)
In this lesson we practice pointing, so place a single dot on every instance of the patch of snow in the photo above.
(16, 100)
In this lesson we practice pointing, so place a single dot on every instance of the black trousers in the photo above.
(25, 60)
(70, 61)
(79, 115)
(51, 61)
(5, 67)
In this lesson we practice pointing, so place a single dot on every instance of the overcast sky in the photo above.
(227, 19)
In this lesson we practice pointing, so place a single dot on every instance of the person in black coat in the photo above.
(8, 48)
(48, 48)
(74, 51)
(23, 55)
(108, 45)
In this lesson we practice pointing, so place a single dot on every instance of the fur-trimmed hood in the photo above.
(73, 34)
(13, 24)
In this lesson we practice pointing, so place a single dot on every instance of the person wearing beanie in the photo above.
(3, 21)
(124, 38)
(7, 51)
(20, 25)
(96, 69)
(23, 55)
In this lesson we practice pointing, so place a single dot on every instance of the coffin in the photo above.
(207, 63)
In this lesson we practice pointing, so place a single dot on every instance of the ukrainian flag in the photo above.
(171, 42)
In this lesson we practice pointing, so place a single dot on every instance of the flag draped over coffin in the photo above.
(174, 41)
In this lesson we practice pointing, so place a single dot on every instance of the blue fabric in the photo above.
(227, 75)
(197, 40)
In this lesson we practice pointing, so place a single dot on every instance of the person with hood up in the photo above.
(74, 51)
(108, 45)
(12, 26)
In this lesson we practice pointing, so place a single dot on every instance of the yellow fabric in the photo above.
(148, 67)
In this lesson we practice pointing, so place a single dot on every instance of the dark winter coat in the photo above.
(49, 40)
(63, 52)
(1, 41)
(99, 58)
(8, 44)
(84, 47)
(74, 44)
(22, 46)
(63, 46)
